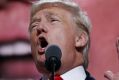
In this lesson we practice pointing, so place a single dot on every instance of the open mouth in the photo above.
(43, 42)
(43, 45)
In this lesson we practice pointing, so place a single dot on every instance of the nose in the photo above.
(41, 29)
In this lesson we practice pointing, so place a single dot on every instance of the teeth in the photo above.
(41, 51)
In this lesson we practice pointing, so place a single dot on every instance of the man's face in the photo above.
(53, 26)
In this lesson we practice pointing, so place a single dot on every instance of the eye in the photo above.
(53, 20)
(34, 25)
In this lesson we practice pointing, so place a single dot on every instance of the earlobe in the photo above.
(81, 40)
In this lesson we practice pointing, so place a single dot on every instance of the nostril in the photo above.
(39, 31)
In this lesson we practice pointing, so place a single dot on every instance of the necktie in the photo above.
(57, 77)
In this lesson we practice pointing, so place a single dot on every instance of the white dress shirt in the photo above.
(77, 73)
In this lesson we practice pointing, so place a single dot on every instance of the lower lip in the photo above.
(41, 56)
(41, 51)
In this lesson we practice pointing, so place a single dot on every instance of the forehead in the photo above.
(53, 11)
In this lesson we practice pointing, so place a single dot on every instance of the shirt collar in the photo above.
(75, 73)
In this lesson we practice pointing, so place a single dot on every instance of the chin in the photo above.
(41, 68)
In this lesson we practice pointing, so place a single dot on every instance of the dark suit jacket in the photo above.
(89, 77)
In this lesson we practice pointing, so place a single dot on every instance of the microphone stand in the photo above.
(53, 67)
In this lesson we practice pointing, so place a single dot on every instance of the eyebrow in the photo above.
(35, 20)
(50, 14)
(32, 21)
(47, 14)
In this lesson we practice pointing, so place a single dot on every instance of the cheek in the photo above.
(59, 36)
(33, 42)
(33, 37)
(64, 36)
(66, 41)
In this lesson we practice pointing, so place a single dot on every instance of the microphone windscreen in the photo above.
(53, 55)
(53, 51)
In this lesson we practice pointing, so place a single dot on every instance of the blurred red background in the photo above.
(15, 56)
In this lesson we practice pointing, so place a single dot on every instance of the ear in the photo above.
(81, 40)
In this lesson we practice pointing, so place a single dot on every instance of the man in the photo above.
(61, 23)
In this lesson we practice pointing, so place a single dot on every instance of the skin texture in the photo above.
(56, 25)
(109, 74)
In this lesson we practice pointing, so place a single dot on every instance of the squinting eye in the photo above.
(33, 26)
(53, 20)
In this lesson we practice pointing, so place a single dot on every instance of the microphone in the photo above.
(53, 55)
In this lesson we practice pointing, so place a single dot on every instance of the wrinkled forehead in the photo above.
(52, 11)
